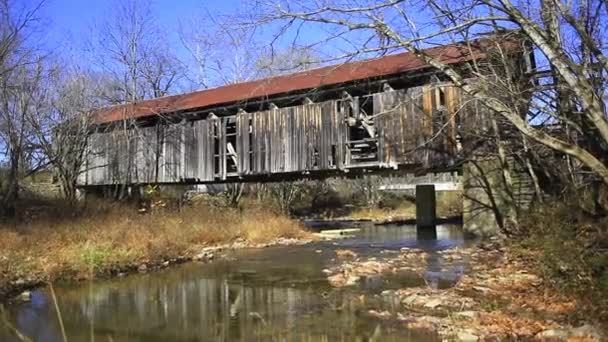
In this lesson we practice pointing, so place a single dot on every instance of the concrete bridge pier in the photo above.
(425, 206)
(481, 215)
(487, 204)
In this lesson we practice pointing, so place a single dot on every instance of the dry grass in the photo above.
(405, 211)
(105, 237)
(449, 203)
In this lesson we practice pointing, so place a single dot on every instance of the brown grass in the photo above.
(102, 238)
(449, 203)
(405, 211)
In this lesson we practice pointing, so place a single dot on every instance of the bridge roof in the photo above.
(300, 81)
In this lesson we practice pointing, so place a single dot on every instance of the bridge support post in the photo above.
(425, 205)
(485, 198)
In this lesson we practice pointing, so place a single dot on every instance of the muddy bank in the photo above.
(499, 296)
(19, 289)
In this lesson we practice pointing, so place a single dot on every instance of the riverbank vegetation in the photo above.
(569, 250)
(357, 198)
(52, 242)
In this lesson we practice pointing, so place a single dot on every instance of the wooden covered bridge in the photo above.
(389, 112)
(392, 112)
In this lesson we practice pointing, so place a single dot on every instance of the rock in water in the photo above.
(553, 334)
(467, 314)
(207, 253)
(340, 280)
(345, 254)
(587, 331)
(466, 336)
(433, 303)
(25, 296)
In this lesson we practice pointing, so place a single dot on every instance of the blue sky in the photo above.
(70, 21)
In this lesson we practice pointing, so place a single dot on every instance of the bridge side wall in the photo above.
(415, 126)
(418, 125)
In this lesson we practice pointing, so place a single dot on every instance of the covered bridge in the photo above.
(389, 112)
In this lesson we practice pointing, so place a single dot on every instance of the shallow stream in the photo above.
(271, 294)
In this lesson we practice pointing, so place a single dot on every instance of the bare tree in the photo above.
(285, 194)
(574, 100)
(130, 47)
(21, 71)
(134, 54)
(369, 187)
(63, 125)
(233, 194)
(222, 54)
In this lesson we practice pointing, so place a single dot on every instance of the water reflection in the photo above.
(274, 294)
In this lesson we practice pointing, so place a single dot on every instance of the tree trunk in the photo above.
(11, 189)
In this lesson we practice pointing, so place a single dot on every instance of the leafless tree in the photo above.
(223, 54)
(133, 52)
(63, 125)
(233, 194)
(369, 187)
(566, 114)
(285, 194)
(130, 47)
(21, 71)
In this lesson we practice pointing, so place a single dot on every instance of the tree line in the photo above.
(48, 97)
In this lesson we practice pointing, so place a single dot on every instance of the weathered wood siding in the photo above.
(290, 139)
(96, 162)
(146, 158)
(416, 126)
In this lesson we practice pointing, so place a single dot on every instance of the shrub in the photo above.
(573, 251)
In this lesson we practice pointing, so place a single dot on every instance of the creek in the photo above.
(276, 293)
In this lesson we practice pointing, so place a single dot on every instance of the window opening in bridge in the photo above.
(215, 128)
(362, 141)
(334, 156)
(441, 96)
(440, 120)
(439, 111)
(250, 145)
(230, 148)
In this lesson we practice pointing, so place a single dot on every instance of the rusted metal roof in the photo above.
(300, 81)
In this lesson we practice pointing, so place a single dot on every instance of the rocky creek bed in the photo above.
(498, 298)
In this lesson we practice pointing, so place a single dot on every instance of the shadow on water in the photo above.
(278, 293)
